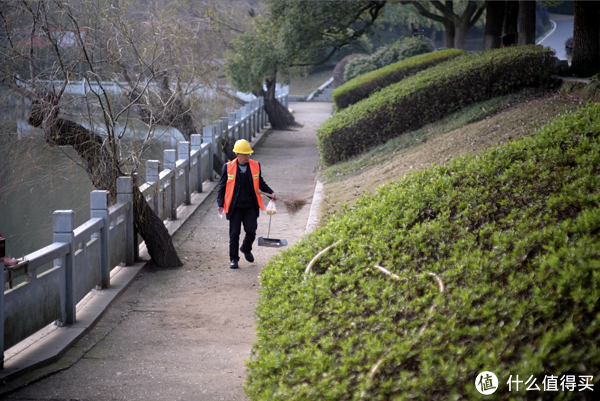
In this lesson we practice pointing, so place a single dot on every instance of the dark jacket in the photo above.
(262, 185)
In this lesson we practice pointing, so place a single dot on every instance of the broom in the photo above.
(292, 206)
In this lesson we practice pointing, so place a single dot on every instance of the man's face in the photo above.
(243, 159)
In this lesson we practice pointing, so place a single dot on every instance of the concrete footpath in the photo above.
(184, 334)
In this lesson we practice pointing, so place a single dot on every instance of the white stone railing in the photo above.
(47, 285)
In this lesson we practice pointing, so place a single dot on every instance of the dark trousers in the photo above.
(248, 216)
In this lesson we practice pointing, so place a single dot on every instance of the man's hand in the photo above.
(273, 196)
(220, 209)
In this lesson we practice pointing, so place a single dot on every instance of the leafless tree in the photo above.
(46, 45)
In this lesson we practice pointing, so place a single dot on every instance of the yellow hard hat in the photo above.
(242, 146)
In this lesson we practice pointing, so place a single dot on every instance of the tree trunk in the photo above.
(526, 22)
(493, 24)
(461, 36)
(465, 23)
(153, 231)
(449, 27)
(227, 146)
(103, 170)
(586, 37)
(450, 34)
(511, 23)
(280, 117)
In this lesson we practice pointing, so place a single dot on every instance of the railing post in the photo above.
(243, 123)
(170, 158)
(218, 138)
(207, 134)
(152, 178)
(183, 153)
(225, 127)
(287, 96)
(261, 118)
(238, 120)
(125, 195)
(63, 224)
(197, 145)
(99, 209)
(250, 124)
(231, 117)
(255, 111)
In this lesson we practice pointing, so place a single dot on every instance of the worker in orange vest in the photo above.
(238, 197)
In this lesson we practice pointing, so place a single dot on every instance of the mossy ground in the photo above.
(469, 131)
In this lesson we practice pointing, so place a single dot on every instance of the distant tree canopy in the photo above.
(294, 33)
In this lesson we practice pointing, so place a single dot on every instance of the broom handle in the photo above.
(264, 193)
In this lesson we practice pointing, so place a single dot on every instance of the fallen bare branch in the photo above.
(318, 256)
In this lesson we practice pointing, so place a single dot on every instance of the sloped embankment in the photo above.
(497, 264)
(431, 95)
(470, 131)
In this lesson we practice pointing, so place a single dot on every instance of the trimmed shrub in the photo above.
(410, 47)
(363, 86)
(357, 67)
(338, 71)
(430, 95)
(386, 55)
(513, 236)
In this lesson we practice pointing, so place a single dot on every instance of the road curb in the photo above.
(313, 216)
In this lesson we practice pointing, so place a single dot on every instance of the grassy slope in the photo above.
(513, 235)
(470, 131)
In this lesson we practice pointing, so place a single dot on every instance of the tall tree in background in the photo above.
(294, 34)
(586, 37)
(494, 19)
(511, 19)
(526, 23)
(455, 23)
(45, 46)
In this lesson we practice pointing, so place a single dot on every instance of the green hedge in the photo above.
(429, 96)
(513, 234)
(364, 85)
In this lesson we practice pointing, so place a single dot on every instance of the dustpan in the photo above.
(271, 242)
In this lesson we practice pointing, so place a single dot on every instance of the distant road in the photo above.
(563, 31)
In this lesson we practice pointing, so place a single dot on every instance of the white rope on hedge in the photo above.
(318, 256)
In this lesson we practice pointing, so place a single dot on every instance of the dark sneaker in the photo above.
(248, 255)
(234, 264)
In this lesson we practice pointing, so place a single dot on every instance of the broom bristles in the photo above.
(294, 205)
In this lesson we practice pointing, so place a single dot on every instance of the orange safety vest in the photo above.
(230, 187)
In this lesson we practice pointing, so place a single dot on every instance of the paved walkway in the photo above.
(563, 31)
(183, 334)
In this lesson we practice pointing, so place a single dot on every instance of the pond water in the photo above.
(36, 180)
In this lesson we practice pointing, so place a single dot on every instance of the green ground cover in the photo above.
(497, 258)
